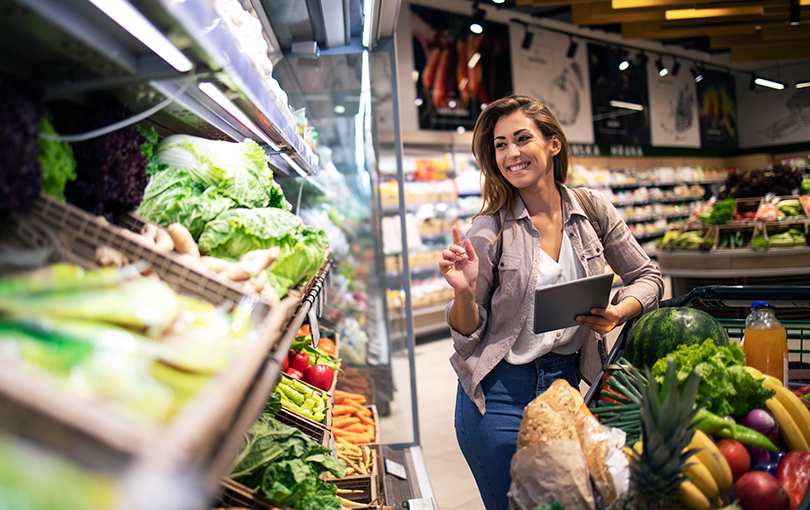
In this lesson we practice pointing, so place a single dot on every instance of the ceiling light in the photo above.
(498, 1)
(714, 13)
(795, 12)
(753, 83)
(696, 74)
(418, 101)
(461, 130)
(219, 98)
(762, 82)
(662, 70)
(527, 38)
(572, 48)
(339, 109)
(802, 84)
(473, 60)
(131, 20)
(627, 106)
(624, 65)
(477, 22)
(676, 67)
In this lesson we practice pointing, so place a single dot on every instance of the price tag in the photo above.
(422, 504)
(396, 469)
(313, 326)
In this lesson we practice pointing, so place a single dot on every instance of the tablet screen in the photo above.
(556, 306)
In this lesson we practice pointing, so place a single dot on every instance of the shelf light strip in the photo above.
(628, 106)
(131, 20)
(219, 98)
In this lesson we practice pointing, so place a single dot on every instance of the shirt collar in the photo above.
(570, 204)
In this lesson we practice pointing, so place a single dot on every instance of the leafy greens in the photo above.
(285, 465)
(723, 379)
(56, 159)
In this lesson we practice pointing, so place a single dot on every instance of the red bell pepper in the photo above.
(794, 475)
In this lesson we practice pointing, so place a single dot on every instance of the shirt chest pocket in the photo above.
(509, 273)
(592, 258)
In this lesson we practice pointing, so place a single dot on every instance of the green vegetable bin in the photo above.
(795, 297)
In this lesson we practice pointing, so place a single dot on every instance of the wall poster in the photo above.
(458, 71)
(673, 106)
(718, 111)
(557, 80)
(609, 84)
(773, 117)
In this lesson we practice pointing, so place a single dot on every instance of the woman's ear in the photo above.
(556, 145)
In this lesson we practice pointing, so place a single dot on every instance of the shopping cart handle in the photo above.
(733, 296)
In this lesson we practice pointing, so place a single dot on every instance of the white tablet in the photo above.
(555, 307)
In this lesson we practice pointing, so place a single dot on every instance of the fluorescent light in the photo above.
(624, 65)
(762, 82)
(219, 98)
(628, 106)
(293, 164)
(131, 20)
(714, 13)
(473, 60)
(803, 84)
(367, 17)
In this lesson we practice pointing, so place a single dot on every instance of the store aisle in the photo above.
(451, 480)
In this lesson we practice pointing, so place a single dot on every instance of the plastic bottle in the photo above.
(765, 342)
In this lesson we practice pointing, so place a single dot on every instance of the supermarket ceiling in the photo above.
(749, 31)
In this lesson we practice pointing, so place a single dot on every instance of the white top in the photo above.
(530, 345)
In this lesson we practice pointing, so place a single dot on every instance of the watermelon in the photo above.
(658, 332)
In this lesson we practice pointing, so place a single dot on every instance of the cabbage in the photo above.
(238, 170)
(238, 231)
(173, 196)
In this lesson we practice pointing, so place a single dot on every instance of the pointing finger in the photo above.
(468, 247)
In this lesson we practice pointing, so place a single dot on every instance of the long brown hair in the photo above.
(496, 190)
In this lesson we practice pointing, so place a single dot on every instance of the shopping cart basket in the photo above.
(720, 296)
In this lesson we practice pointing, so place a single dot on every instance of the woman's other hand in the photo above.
(459, 264)
(603, 320)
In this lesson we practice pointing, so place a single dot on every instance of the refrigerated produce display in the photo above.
(192, 289)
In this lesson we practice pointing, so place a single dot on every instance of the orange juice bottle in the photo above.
(765, 342)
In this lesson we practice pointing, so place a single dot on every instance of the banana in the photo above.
(753, 371)
(690, 495)
(710, 456)
(788, 429)
(700, 475)
(797, 410)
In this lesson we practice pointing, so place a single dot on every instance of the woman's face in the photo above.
(524, 156)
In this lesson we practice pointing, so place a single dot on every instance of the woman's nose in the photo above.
(513, 151)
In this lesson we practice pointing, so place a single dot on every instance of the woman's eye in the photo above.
(499, 145)
(523, 138)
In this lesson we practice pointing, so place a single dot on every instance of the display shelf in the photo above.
(644, 219)
(661, 184)
(667, 200)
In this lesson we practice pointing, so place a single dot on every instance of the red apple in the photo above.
(759, 490)
(300, 361)
(737, 457)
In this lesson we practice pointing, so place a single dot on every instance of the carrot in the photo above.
(343, 420)
(345, 395)
(359, 409)
(355, 427)
(366, 419)
(337, 410)
(353, 437)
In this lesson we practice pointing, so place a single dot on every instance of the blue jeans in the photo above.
(488, 442)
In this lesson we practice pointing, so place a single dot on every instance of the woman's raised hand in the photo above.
(459, 264)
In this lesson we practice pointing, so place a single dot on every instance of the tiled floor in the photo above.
(452, 483)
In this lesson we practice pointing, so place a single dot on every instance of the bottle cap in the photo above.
(757, 304)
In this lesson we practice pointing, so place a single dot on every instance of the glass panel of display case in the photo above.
(343, 199)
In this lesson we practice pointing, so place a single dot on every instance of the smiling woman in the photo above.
(531, 232)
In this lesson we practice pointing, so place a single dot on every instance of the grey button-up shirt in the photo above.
(507, 277)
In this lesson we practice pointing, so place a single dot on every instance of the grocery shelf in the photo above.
(662, 184)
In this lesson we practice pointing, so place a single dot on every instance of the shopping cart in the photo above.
(716, 297)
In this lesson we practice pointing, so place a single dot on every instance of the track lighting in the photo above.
(662, 70)
(527, 38)
(624, 64)
(676, 67)
(762, 82)
(803, 84)
(572, 48)
(696, 73)
(753, 83)
(477, 22)
(795, 12)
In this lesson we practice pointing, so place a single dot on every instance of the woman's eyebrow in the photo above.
(513, 134)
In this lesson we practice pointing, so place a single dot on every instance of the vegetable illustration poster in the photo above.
(458, 71)
(614, 124)
(547, 73)
(673, 106)
(771, 117)
(718, 111)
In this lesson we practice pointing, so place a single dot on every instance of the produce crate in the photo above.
(782, 297)
(735, 237)
(237, 496)
(75, 234)
(366, 488)
(318, 432)
(771, 229)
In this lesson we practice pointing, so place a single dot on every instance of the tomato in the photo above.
(736, 455)
(320, 376)
(303, 330)
(326, 345)
(794, 475)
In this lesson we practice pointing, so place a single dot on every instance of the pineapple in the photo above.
(666, 429)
